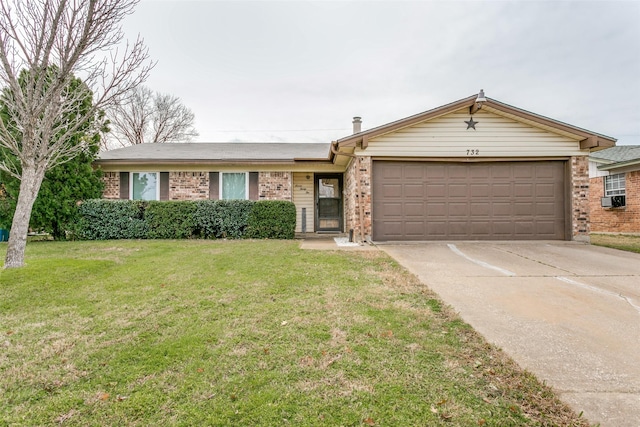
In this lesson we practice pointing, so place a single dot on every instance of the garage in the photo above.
(501, 200)
(473, 169)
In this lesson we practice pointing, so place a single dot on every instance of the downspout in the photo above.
(358, 186)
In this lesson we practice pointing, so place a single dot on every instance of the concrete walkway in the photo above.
(568, 312)
(334, 244)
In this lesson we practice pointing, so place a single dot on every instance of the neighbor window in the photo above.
(145, 186)
(234, 186)
(614, 185)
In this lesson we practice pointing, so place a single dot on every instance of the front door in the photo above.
(329, 202)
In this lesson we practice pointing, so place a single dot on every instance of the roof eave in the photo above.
(600, 160)
(161, 162)
(359, 138)
(619, 165)
(588, 140)
(312, 159)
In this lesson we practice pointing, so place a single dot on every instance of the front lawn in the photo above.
(624, 242)
(244, 333)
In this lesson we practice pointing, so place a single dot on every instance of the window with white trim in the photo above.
(234, 185)
(145, 186)
(614, 185)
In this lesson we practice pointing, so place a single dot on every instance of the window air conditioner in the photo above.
(617, 201)
(613, 202)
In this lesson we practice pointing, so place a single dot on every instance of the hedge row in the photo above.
(132, 219)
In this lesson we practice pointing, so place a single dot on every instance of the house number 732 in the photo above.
(473, 152)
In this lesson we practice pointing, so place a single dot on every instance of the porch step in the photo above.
(320, 235)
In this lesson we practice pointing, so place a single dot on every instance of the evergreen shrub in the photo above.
(272, 219)
(170, 219)
(101, 219)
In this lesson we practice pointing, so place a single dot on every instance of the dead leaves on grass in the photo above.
(440, 408)
(65, 417)
(106, 397)
(322, 363)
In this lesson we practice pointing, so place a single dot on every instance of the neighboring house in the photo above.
(614, 180)
(475, 169)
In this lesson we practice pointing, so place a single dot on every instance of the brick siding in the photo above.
(188, 185)
(195, 185)
(352, 198)
(275, 186)
(616, 220)
(111, 182)
(580, 198)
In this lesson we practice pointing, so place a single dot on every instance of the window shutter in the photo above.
(214, 185)
(164, 185)
(124, 185)
(253, 186)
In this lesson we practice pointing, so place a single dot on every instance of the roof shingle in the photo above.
(220, 152)
(620, 153)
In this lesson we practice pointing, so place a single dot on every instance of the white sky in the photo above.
(299, 71)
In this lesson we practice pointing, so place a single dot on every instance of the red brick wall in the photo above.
(580, 198)
(616, 220)
(275, 186)
(195, 185)
(188, 185)
(352, 198)
(111, 185)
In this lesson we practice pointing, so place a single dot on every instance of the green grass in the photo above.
(624, 242)
(244, 333)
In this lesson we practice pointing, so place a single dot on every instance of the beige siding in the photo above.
(303, 198)
(495, 136)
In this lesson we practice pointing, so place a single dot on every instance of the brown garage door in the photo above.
(468, 201)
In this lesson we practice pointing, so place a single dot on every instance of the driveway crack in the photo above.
(600, 290)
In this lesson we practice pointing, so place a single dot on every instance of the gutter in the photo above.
(194, 162)
(611, 166)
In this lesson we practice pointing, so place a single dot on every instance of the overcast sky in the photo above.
(290, 71)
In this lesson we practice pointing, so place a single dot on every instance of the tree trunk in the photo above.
(29, 187)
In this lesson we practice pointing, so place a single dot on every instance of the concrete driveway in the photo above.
(568, 312)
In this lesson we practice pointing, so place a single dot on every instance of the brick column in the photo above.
(580, 199)
(352, 198)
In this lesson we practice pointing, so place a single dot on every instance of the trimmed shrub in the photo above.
(111, 219)
(170, 219)
(272, 219)
(102, 219)
(222, 218)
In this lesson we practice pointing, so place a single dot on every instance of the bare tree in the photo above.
(129, 120)
(44, 44)
(149, 117)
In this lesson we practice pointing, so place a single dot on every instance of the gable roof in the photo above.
(217, 153)
(617, 157)
(588, 139)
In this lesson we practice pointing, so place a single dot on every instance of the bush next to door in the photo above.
(272, 219)
(170, 220)
(234, 219)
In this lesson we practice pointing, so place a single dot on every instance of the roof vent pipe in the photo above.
(357, 125)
